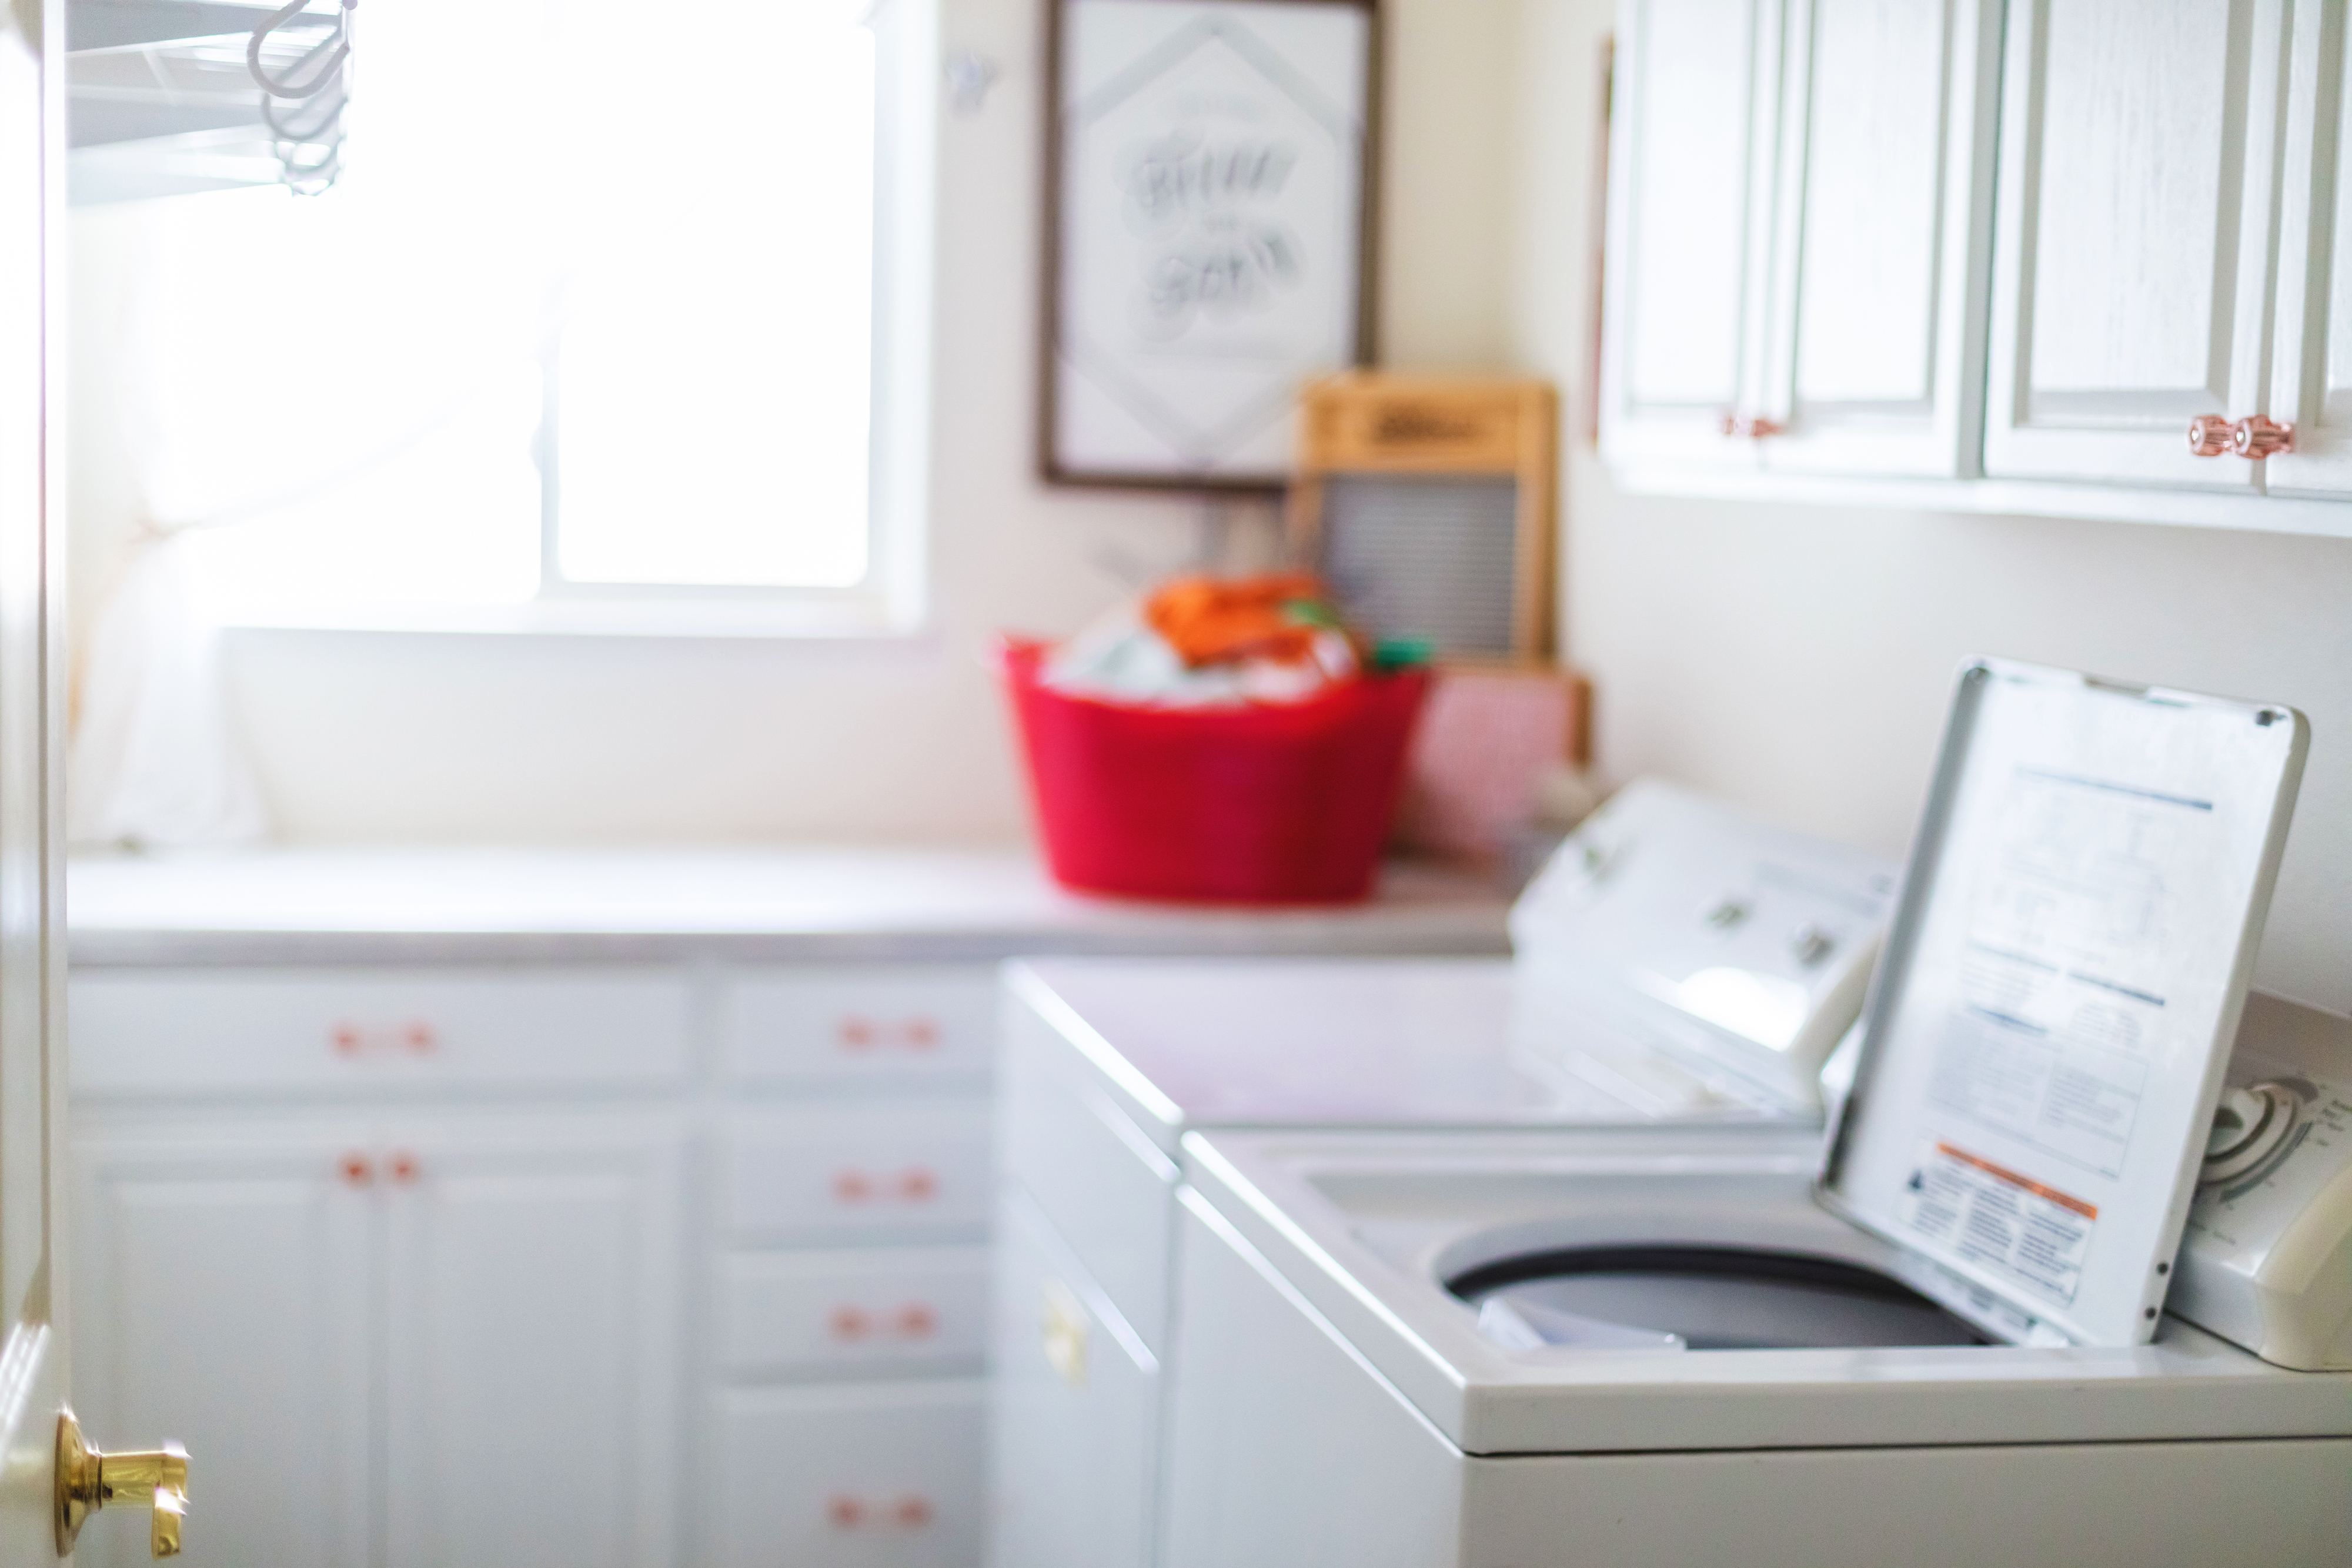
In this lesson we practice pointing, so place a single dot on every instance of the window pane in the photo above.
(340, 394)
(712, 370)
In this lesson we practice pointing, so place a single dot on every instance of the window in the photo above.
(586, 338)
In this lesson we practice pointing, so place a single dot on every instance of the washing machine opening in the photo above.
(1698, 1298)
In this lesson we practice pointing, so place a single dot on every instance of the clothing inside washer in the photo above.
(1698, 1298)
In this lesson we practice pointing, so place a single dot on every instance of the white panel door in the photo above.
(531, 1335)
(2132, 251)
(1073, 1409)
(1691, 170)
(1875, 362)
(2311, 372)
(224, 1295)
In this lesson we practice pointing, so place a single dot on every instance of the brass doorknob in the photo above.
(88, 1480)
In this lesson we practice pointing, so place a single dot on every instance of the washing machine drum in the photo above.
(1698, 1298)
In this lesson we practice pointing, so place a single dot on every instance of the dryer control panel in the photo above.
(2267, 1258)
(1684, 956)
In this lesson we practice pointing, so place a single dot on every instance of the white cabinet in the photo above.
(2133, 252)
(233, 1278)
(1796, 234)
(1872, 366)
(531, 1343)
(364, 1328)
(1696, 95)
(2311, 366)
(1972, 254)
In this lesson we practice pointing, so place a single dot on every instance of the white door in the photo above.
(2132, 250)
(35, 1289)
(2311, 369)
(1691, 167)
(1875, 362)
(223, 1294)
(531, 1329)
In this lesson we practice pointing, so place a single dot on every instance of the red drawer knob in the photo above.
(856, 1033)
(403, 1167)
(919, 1185)
(849, 1324)
(844, 1511)
(917, 1320)
(852, 1186)
(346, 1038)
(913, 1511)
(356, 1169)
(419, 1035)
(921, 1033)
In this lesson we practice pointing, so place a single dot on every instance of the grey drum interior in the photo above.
(1699, 1298)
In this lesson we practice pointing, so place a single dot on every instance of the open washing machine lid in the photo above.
(2043, 1045)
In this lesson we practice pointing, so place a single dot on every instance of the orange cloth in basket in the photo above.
(1216, 620)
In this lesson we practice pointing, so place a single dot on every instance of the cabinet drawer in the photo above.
(862, 1475)
(145, 1032)
(859, 1025)
(824, 1311)
(907, 1169)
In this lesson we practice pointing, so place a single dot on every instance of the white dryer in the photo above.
(1937, 1337)
(1679, 965)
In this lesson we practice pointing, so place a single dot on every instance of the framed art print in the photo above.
(1209, 221)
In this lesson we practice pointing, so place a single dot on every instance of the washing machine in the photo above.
(1939, 1335)
(1678, 965)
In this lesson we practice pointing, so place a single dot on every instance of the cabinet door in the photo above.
(1876, 361)
(1697, 91)
(531, 1345)
(222, 1295)
(2311, 377)
(1073, 1409)
(2132, 254)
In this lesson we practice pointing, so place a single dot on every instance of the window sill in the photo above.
(719, 616)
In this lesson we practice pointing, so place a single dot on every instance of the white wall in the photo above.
(1799, 659)
(1793, 659)
(435, 737)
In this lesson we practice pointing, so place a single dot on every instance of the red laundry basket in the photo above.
(1264, 804)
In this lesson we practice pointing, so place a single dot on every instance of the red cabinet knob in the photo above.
(917, 1320)
(856, 1033)
(345, 1038)
(849, 1324)
(844, 1511)
(356, 1169)
(918, 1183)
(912, 1511)
(403, 1167)
(921, 1033)
(852, 1186)
(418, 1036)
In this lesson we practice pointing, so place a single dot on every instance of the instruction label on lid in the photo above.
(2020, 1228)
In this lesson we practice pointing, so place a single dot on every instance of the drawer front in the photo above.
(859, 1025)
(851, 1476)
(1106, 1187)
(916, 1170)
(897, 1309)
(326, 1030)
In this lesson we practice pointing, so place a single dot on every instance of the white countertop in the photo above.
(396, 904)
